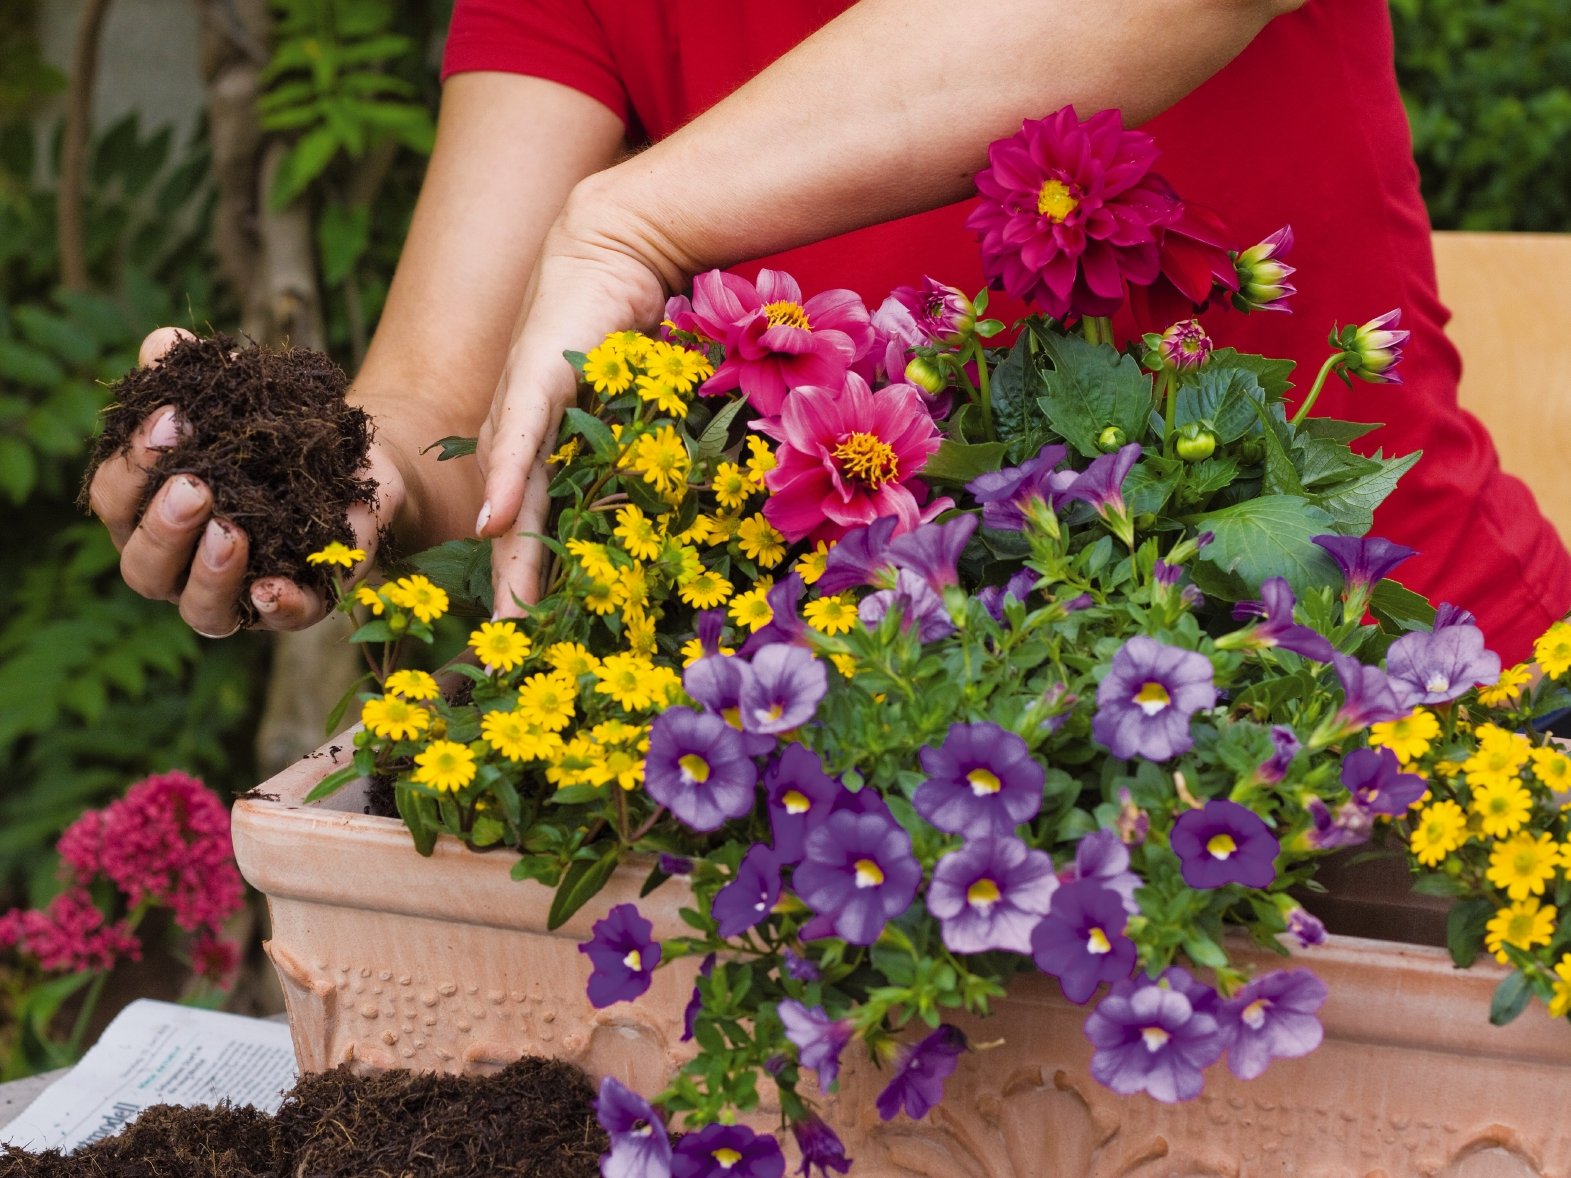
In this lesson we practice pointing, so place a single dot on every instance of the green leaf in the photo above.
(958, 462)
(453, 447)
(594, 431)
(1271, 375)
(1090, 388)
(583, 879)
(306, 160)
(1398, 608)
(1261, 538)
(1224, 398)
(1511, 998)
(462, 568)
(1014, 386)
(342, 234)
(712, 442)
(376, 630)
(29, 366)
(18, 469)
(419, 814)
(1465, 927)
(1352, 504)
(1203, 951)
(332, 783)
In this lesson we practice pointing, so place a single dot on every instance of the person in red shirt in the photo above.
(857, 127)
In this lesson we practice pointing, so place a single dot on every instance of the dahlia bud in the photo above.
(1110, 439)
(926, 375)
(1195, 442)
(1185, 345)
(1262, 275)
(1372, 349)
(943, 314)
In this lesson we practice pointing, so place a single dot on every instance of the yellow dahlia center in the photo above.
(868, 874)
(1056, 200)
(867, 459)
(1152, 697)
(1097, 942)
(983, 893)
(796, 802)
(694, 767)
(1221, 846)
(787, 314)
(984, 782)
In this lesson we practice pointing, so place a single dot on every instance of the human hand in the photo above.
(598, 272)
(179, 551)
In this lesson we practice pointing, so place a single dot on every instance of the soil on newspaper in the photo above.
(262, 427)
(535, 1117)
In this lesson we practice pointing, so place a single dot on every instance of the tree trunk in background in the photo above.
(268, 259)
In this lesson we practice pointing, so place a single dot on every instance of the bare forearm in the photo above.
(888, 111)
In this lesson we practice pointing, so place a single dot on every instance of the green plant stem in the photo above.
(1167, 393)
(1314, 389)
(95, 990)
(984, 391)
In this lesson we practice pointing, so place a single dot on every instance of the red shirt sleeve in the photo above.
(558, 40)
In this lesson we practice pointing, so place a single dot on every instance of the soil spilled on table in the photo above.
(535, 1117)
(269, 432)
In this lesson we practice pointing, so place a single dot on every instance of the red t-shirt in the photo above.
(1305, 127)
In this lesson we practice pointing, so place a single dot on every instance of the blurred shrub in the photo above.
(1487, 85)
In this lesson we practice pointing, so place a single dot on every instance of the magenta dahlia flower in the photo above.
(848, 455)
(1071, 211)
(774, 339)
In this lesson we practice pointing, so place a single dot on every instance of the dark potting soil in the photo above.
(268, 430)
(535, 1117)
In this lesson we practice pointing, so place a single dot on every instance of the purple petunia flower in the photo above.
(819, 1039)
(695, 1004)
(1272, 1017)
(860, 558)
(698, 768)
(1368, 696)
(1081, 941)
(1364, 560)
(716, 682)
(624, 956)
(1150, 1038)
(1276, 627)
(819, 1147)
(801, 795)
(1375, 779)
(1224, 843)
(1147, 697)
(800, 967)
(751, 894)
(708, 626)
(1006, 495)
(727, 1151)
(981, 781)
(1308, 928)
(1447, 614)
(1274, 767)
(1102, 858)
(932, 551)
(858, 872)
(785, 623)
(918, 1082)
(1437, 667)
(1348, 827)
(990, 894)
(1018, 588)
(916, 602)
(782, 689)
(640, 1147)
(674, 864)
(1102, 483)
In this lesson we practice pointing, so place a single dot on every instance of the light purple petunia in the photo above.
(1276, 626)
(981, 781)
(990, 893)
(640, 1147)
(1364, 560)
(801, 795)
(716, 682)
(800, 967)
(785, 623)
(1438, 667)
(1102, 858)
(919, 607)
(751, 894)
(1272, 1017)
(698, 768)
(918, 1082)
(1147, 698)
(624, 956)
(781, 690)
(1286, 744)
(819, 1039)
(1102, 486)
(1348, 827)
(1224, 843)
(1307, 927)
(860, 558)
(858, 873)
(1375, 779)
(1081, 941)
(727, 1151)
(1017, 588)
(932, 551)
(1149, 1037)
(1006, 495)
(819, 1147)
(1368, 696)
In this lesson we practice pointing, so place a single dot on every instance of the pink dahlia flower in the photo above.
(848, 456)
(775, 340)
(1071, 211)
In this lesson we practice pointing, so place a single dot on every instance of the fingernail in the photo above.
(164, 433)
(484, 517)
(218, 544)
(265, 597)
(183, 501)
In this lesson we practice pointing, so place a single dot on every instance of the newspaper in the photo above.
(159, 1053)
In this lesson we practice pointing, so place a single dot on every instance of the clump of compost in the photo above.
(535, 1117)
(269, 432)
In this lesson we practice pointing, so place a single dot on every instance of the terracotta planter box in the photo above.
(390, 960)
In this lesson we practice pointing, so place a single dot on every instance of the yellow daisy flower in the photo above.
(705, 591)
(607, 371)
(731, 485)
(1409, 737)
(594, 559)
(760, 459)
(500, 646)
(548, 701)
(444, 765)
(338, 554)
(600, 599)
(512, 735)
(1522, 865)
(831, 615)
(1560, 1000)
(566, 452)
(412, 685)
(1552, 650)
(1499, 758)
(632, 587)
(660, 458)
(371, 599)
(1507, 689)
(638, 631)
(723, 527)
(810, 565)
(1438, 830)
(1553, 768)
(697, 532)
(394, 718)
(752, 609)
(635, 345)
(1502, 807)
(1525, 924)
(571, 658)
(625, 677)
(419, 596)
(761, 541)
(682, 367)
(845, 664)
(693, 650)
(662, 394)
(575, 763)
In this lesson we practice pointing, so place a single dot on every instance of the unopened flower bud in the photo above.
(926, 375)
(1262, 275)
(943, 314)
(1195, 442)
(1373, 349)
(1185, 346)
(1110, 439)
(1252, 450)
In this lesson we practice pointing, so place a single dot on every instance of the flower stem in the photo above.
(984, 394)
(1314, 389)
(1167, 393)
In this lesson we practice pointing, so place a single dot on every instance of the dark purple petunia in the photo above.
(1308, 928)
(785, 623)
(1276, 626)
(932, 551)
(1272, 1017)
(1147, 697)
(800, 967)
(640, 1147)
(1224, 843)
(1348, 827)
(674, 864)
(860, 557)
(918, 1082)
(819, 1147)
(1102, 858)
(698, 768)
(1368, 696)
(1148, 1037)
(1438, 667)
(716, 682)
(781, 690)
(1375, 779)
(1286, 744)
(1017, 588)
(751, 894)
(1102, 483)
(858, 872)
(801, 795)
(990, 893)
(695, 1004)
(1364, 560)
(1081, 941)
(727, 1151)
(981, 781)
(1006, 494)
(819, 1039)
(1447, 614)
(915, 601)
(708, 627)
(623, 954)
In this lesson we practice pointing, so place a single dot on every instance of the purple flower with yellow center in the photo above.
(1439, 666)
(1364, 561)
(716, 682)
(990, 894)
(857, 872)
(1184, 346)
(781, 689)
(751, 894)
(1368, 697)
(1223, 843)
(918, 1082)
(1272, 1017)
(1308, 928)
(727, 1151)
(819, 1039)
(1081, 941)
(1102, 486)
(1276, 626)
(698, 768)
(640, 1147)
(1286, 745)
(1375, 779)
(785, 624)
(860, 558)
(624, 956)
(1262, 275)
(1006, 495)
(1144, 703)
(819, 1147)
(1102, 858)
(981, 781)
(1149, 1037)
(932, 551)
(1372, 350)
(801, 795)
(917, 605)
(942, 314)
